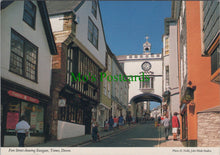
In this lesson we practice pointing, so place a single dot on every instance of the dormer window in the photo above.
(29, 13)
(94, 8)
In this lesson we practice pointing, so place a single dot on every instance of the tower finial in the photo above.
(147, 45)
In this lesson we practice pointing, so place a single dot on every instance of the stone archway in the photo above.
(142, 98)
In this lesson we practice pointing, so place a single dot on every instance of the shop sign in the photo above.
(22, 96)
(62, 102)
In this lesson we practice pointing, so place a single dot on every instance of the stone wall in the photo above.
(208, 129)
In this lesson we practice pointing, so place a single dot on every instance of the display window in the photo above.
(33, 112)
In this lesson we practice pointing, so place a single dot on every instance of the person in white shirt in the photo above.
(22, 129)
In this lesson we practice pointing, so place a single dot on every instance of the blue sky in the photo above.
(126, 24)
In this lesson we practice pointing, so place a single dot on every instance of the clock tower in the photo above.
(147, 46)
(143, 92)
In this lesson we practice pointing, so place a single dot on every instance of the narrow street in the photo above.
(142, 135)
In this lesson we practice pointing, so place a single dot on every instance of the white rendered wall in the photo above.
(57, 22)
(83, 15)
(166, 62)
(133, 67)
(13, 18)
(68, 130)
(174, 80)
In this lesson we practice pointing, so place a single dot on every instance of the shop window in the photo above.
(67, 113)
(34, 114)
(35, 117)
(13, 115)
(80, 116)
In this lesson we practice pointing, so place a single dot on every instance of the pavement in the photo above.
(76, 141)
(170, 142)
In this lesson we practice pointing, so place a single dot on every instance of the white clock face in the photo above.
(146, 66)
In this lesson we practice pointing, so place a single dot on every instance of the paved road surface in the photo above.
(143, 135)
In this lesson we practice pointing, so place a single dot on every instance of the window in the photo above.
(109, 93)
(166, 46)
(109, 63)
(72, 64)
(147, 84)
(122, 65)
(105, 86)
(33, 112)
(29, 13)
(93, 33)
(94, 8)
(167, 76)
(215, 62)
(23, 59)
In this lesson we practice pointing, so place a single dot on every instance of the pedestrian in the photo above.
(22, 130)
(166, 123)
(115, 121)
(175, 125)
(159, 119)
(120, 120)
(95, 133)
(111, 123)
(129, 120)
(106, 125)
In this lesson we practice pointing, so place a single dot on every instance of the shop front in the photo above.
(16, 101)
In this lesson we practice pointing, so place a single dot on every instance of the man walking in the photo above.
(166, 123)
(22, 129)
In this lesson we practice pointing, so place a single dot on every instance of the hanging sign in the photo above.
(22, 96)
(62, 102)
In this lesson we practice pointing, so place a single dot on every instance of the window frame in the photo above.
(25, 12)
(92, 33)
(24, 59)
(167, 73)
(94, 8)
(149, 83)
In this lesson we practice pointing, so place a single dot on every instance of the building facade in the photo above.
(137, 67)
(104, 108)
(170, 68)
(120, 87)
(27, 44)
(78, 31)
(199, 95)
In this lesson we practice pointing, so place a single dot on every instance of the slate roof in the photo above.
(58, 7)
